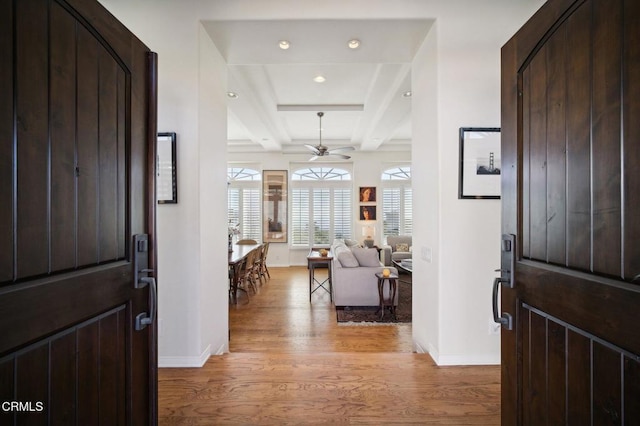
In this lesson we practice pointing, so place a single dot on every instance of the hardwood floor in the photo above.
(291, 364)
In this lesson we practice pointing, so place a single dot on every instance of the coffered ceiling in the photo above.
(364, 95)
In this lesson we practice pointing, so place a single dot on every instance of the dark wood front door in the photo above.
(571, 198)
(77, 125)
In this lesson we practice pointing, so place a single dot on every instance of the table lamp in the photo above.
(369, 232)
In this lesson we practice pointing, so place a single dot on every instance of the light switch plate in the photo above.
(426, 254)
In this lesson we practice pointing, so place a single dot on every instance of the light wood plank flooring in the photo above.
(291, 364)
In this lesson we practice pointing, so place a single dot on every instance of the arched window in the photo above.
(244, 201)
(321, 205)
(397, 201)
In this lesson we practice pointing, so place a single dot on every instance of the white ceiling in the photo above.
(278, 101)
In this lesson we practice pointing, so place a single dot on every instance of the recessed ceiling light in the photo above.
(319, 79)
(407, 94)
(354, 44)
(232, 95)
(284, 44)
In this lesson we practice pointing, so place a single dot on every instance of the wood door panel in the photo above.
(607, 398)
(551, 288)
(6, 142)
(555, 157)
(631, 135)
(110, 284)
(606, 137)
(573, 377)
(556, 367)
(108, 157)
(579, 375)
(571, 107)
(75, 186)
(83, 357)
(631, 388)
(64, 379)
(578, 113)
(6, 392)
(31, 75)
(537, 183)
(87, 147)
(63, 139)
(31, 374)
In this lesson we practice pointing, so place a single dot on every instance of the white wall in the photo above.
(456, 83)
(426, 197)
(462, 54)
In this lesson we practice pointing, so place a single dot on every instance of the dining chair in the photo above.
(263, 270)
(233, 292)
(247, 277)
(247, 242)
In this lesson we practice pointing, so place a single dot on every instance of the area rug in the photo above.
(366, 315)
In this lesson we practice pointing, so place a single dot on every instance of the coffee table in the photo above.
(404, 268)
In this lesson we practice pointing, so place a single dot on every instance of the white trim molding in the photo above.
(185, 361)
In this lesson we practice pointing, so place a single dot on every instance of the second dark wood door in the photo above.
(76, 129)
(571, 198)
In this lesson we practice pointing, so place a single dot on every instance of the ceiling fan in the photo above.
(321, 150)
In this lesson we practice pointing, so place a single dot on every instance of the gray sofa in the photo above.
(395, 249)
(353, 276)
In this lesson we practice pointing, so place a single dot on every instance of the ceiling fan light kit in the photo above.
(323, 151)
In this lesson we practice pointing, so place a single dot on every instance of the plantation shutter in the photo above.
(408, 212)
(233, 206)
(342, 213)
(391, 211)
(321, 216)
(251, 215)
(300, 216)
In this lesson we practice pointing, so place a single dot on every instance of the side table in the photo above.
(392, 279)
(314, 259)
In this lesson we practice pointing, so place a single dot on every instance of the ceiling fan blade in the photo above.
(342, 149)
(346, 157)
(314, 158)
(313, 149)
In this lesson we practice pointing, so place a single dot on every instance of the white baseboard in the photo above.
(223, 349)
(468, 360)
(450, 360)
(185, 361)
(418, 348)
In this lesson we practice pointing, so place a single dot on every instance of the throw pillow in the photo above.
(402, 247)
(346, 258)
(351, 243)
(366, 256)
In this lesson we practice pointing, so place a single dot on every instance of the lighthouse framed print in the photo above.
(480, 163)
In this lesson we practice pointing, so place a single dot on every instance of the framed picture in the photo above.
(166, 169)
(274, 206)
(480, 163)
(367, 194)
(367, 212)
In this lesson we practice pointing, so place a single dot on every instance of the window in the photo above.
(244, 202)
(397, 201)
(321, 205)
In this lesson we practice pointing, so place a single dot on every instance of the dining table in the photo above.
(237, 256)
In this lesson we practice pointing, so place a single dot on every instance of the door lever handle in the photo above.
(142, 319)
(506, 320)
